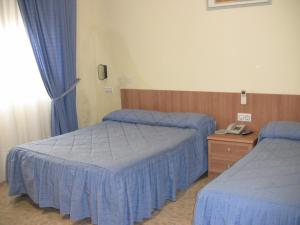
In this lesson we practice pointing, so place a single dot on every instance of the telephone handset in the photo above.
(232, 128)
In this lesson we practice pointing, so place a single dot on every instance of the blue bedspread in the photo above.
(261, 189)
(115, 172)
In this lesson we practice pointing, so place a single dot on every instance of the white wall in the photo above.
(179, 44)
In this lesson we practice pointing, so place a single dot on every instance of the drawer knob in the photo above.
(228, 149)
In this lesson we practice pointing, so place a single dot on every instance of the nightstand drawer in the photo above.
(224, 150)
(218, 166)
(228, 150)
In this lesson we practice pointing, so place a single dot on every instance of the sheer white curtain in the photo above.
(24, 103)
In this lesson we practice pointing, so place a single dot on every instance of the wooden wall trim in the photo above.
(222, 106)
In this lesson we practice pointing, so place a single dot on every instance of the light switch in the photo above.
(108, 90)
(244, 117)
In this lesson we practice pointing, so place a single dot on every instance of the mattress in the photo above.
(261, 189)
(115, 172)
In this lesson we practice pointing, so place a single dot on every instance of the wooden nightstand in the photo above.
(226, 149)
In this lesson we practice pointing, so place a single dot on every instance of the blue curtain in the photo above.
(51, 25)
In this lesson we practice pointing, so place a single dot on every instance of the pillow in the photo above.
(173, 119)
(281, 129)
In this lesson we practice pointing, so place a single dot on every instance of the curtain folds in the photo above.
(51, 26)
(24, 102)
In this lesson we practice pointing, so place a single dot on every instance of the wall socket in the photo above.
(244, 117)
(108, 90)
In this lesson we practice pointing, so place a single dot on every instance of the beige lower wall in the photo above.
(3, 154)
(180, 45)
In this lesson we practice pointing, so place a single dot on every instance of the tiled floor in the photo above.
(21, 211)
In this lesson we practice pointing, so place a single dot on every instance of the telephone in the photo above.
(232, 128)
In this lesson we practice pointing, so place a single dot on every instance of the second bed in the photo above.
(263, 188)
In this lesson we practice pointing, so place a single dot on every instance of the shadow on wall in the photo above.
(123, 65)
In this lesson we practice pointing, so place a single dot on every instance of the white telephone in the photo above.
(232, 128)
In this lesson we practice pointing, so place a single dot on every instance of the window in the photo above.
(24, 102)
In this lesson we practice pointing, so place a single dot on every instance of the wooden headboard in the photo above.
(222, 106)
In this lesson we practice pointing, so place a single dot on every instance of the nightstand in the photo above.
(226, 149)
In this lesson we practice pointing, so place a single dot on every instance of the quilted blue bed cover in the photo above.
(116, 172)
(261, 189)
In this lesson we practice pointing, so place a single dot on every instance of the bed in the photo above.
(261, 189)
(116, 172)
